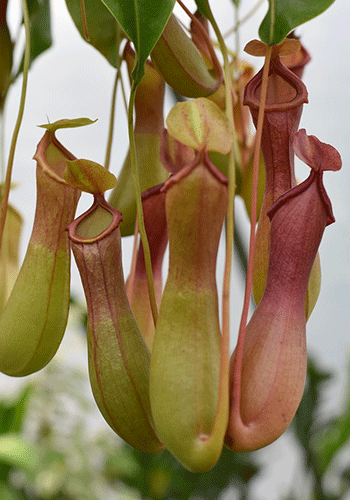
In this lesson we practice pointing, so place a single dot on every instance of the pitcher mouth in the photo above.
(99, 202)
(298, 91)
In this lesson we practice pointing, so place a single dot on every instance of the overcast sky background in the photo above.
(73, 80)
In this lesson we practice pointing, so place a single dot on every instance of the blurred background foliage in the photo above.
(50, 448)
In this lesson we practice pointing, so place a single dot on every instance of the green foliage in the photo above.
(308, 412)
(40, 29)
(160, 476)
(322, 440)
(204, 8)
(285, 15)
(76, 465)
(143, 21)
(12, 413)
(15, 451)
(103, 29)
(334, 437)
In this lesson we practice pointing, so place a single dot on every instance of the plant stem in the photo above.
(113, 102)
(111, 121)
(244, 18)
(26, 64)
(131, 279)
(240, 248)
(2, 145)
(139, 210)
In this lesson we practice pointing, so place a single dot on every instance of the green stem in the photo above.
(240, 248)
(139, 210)
(125, 101)
(2, 145)
(111, 121)
(272, 20)
(244, 19)
(26, 64)
(113, 104)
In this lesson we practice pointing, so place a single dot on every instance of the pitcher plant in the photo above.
(158, 342)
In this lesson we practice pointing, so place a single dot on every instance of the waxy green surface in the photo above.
(35, 316)
(185, 362)
(118, 357)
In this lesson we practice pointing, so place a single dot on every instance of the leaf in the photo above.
(143, 21)
(89, 176)
(285, 15)
(236, 470)
(329, 443)
(8, 492)
(102, 27)
(200, 124)
(40, 29)
(67, 123)
(204, 8)
(14, 450)
(13, 413)
(305, 420)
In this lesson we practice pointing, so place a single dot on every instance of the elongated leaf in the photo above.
(14, 450)
(143, 21)
(40, 29)
(13, 413)
(329, 443)
(102, 27)
(305, 421)
(8, 492)
(285, 15)
(204, 8)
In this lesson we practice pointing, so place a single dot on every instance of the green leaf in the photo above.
(102, 27)
(89, 176)
(285, 15)
(143, 21)
(67, 123)
(40, 29)
(8, 492)
(14, 450)
(330, 442)
(305, 420)
(235, 470)
(204, 8)
(13, 412)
